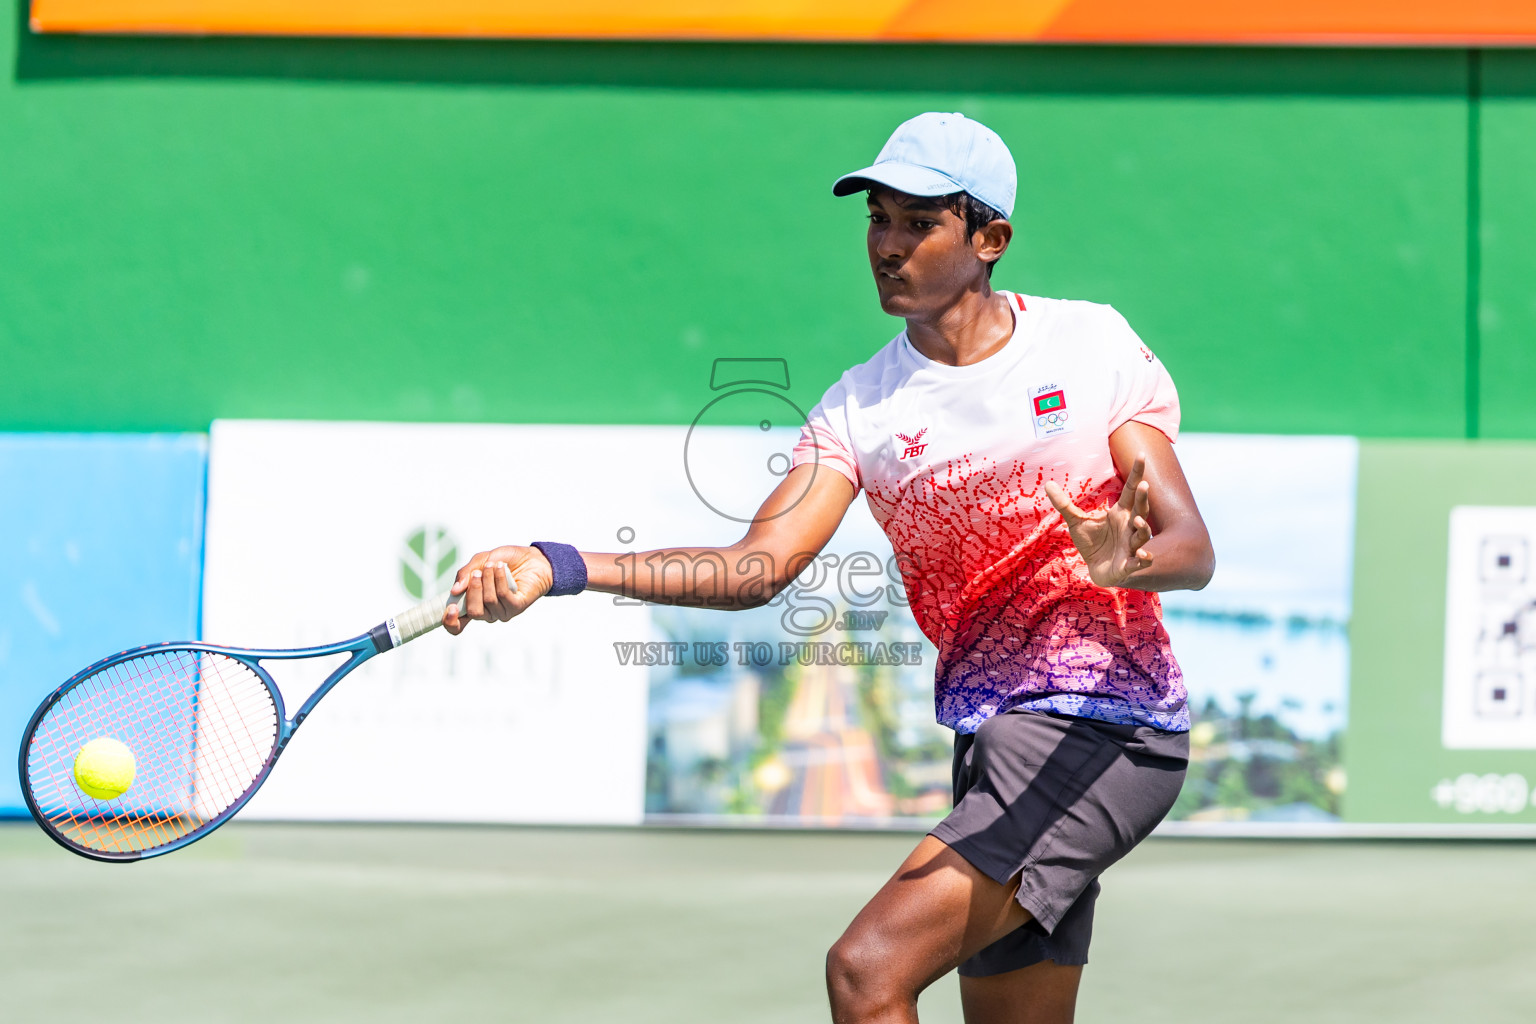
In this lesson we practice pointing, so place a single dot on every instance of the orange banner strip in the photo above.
(1303, 22)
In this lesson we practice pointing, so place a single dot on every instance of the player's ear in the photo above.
(992, 241)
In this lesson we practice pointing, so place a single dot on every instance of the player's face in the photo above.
(919, 254)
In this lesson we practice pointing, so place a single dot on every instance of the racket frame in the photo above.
(360, 649)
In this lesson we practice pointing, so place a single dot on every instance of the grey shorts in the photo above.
(1053, 800)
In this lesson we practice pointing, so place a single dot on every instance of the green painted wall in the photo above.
(1507, 311)
(572, 232)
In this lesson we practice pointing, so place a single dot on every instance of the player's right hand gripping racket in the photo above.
(205, 725)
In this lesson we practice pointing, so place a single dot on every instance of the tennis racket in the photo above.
(205, 725)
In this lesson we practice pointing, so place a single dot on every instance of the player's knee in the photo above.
(860, 982)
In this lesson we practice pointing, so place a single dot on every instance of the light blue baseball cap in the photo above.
(936, 154)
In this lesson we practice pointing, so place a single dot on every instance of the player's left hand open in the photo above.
(1112, 541)
(498, 585)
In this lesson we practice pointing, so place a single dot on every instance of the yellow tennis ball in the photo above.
(104, 768)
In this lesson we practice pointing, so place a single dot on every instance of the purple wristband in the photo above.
(569, 568)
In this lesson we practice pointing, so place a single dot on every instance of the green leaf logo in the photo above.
(428, 561)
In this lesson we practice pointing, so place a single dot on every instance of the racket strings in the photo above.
(201, 727)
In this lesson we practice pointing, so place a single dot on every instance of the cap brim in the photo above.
(912, 179)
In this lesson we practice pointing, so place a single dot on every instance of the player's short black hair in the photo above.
(976, 215)
(973, 211)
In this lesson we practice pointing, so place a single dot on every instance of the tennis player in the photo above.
(1018, 452)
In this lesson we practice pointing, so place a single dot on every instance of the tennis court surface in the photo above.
(391, 923)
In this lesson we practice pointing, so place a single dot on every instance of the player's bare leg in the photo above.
(1043, 993)
(934, 913)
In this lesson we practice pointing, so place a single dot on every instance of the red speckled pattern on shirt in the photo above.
(996, 584)
(954, 459)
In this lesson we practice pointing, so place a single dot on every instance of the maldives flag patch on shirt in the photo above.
(1048, 405)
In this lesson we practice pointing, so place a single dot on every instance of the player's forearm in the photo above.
(790, 529)
(730, 578)
(1182, 559)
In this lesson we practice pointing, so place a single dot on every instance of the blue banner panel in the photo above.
(101, 539)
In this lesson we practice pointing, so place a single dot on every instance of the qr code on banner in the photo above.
(1490, 630)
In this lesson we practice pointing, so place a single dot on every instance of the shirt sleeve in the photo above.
(1144, 391)
(825, 440)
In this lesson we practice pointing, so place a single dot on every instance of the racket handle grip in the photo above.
(417, 621)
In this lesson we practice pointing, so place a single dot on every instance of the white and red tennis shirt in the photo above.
(953, 460)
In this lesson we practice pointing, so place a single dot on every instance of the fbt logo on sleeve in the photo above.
(1048, 407)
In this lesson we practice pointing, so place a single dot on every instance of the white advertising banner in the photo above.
(815, 708)
(318, 531)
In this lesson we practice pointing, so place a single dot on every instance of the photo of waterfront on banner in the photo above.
(813, 710)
